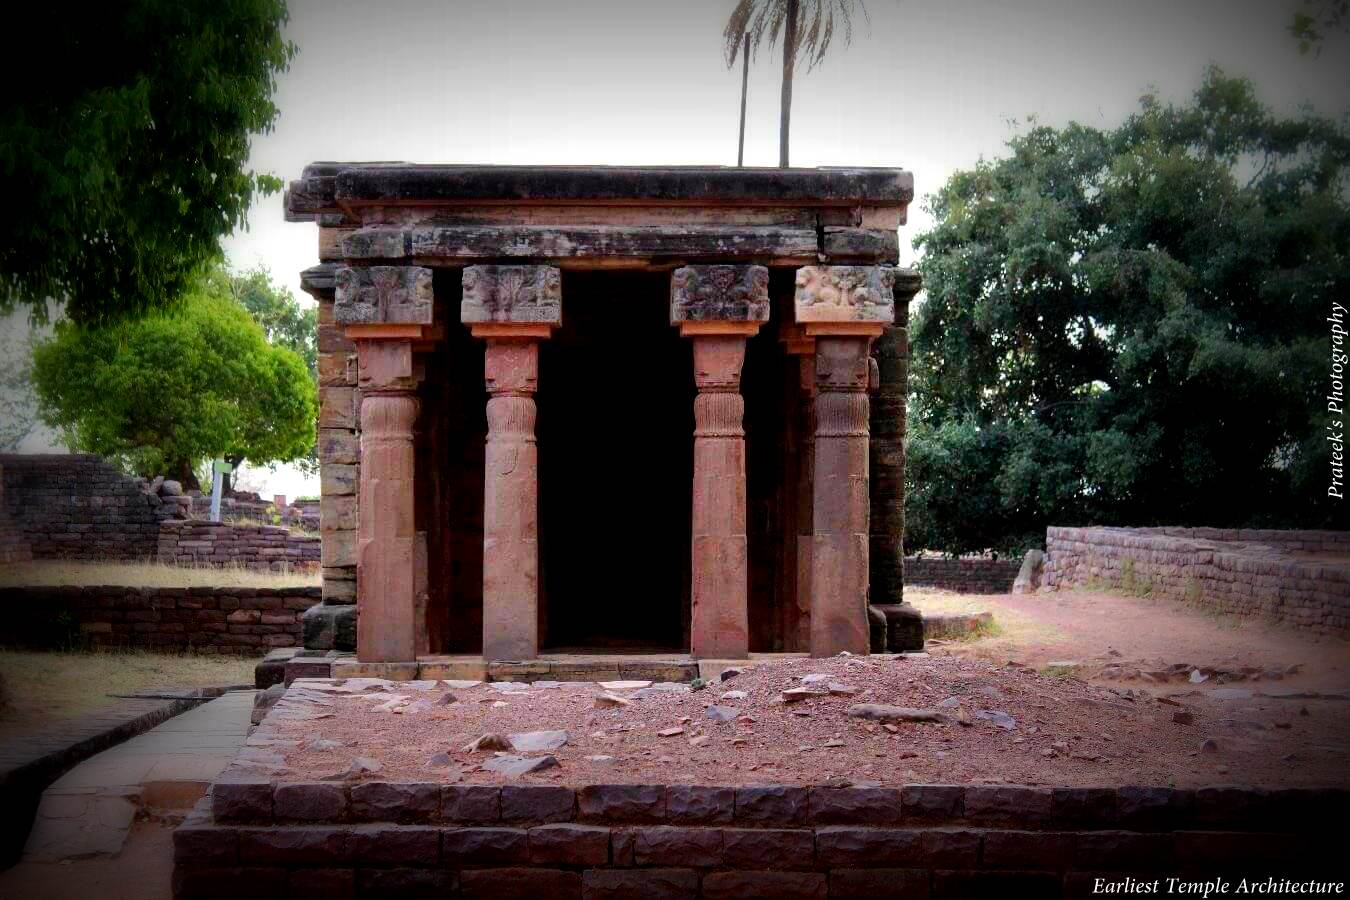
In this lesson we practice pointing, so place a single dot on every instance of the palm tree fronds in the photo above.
(764, 21)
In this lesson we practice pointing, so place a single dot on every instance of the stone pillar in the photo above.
(889, 409)
(512, 308)
(843, 308)
(718, 307)
(385, 310)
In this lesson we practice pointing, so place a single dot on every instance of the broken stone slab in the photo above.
(722, 714)
(516, 766)
(624, 685)
(796, 695)
(880, 712)
(610, 701)
(814, 678)
(733, 695)
(842, 690)
(509, 687)
(670, 732)
(527, 741)
(359, 768)
(730, 673)
(997, 717)
(489, 741)
(458, 684)
(662, 687)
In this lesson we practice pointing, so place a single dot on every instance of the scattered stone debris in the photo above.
(360, 767)
(527, 741)
(730, 673)
(489, 741)
(842, 690)
(796, 695)
(1183, 717)
(670, 732)
(516, 766)
(880, 712)
(446, 699)
(722, 714)
(997, 717)
(1209, 745)
(610, 701)
(624, 685)
(733, 695)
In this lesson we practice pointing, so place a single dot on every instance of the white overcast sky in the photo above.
(929, 85)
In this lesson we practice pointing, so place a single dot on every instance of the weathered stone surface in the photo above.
(383, 294)
(471, 803)
(768, 848)
(852, 805)
(330, 627)
(764, 886)
(310, 802)
(568, 844)
(772, 804)
(879, 884)
(522, 294)
(696, 804)
(719, 293)
(1027, 850)
(845, 294)
(242, 800)
(485, 846)
(519, 884)
(387, 801)
(621, 802)
(639, 884)
(1008, 803)
(310, 846)
(405, 884)
(537, 803)
(386, 845)
(666, 845)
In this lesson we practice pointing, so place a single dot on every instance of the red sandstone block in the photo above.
(1013, 804)
(697, 804)
(879, 884)
(854, 806)
(395, 845)
(667, 845)
(471, 803)
(621, 802)
(622, 847)
(568, 844)
(312, 801)
(955, 848)
(519, 884)
(405, 884)
(639, 884)
(205, 845)
(231, 883)
(743, 885)
(242, 800)
(537, 803)
(1089, 807)
(933, 802)
(768, 848)
(1020, 849)
(1152, 808)
(322, 884)
(390, 801)
(294, 846)
(960, 885)
(484, 846)
(1122, 850)
(771, 804)
(841, 846)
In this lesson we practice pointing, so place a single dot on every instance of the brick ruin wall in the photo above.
(966, 576)
(1296, 578)
(79, 506)
(242, 621)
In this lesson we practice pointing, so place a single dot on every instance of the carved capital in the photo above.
(719, 293)
(845, 294)
(842, 364)
(529, 294)
(386, 365)
(383, 294)
(511, 368)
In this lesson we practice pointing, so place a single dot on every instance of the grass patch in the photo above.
(45, 687)
(53, 573)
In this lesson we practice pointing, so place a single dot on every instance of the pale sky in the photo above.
(928, 85)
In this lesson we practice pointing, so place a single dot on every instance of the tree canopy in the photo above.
(165, 391)
(125, 161)
(1128, 326)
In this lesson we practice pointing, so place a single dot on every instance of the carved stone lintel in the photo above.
(383, 294)
(719, 293)
(512, 294)
(845, 294)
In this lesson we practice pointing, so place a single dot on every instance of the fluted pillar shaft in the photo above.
(840, 510)
(719, 621)
(511, 502)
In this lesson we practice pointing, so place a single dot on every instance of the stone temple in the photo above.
(589, 410)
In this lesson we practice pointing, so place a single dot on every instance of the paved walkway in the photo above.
(89, 810)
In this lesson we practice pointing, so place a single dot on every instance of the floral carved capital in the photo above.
(845, 294)
(383, 294)
(528, 294)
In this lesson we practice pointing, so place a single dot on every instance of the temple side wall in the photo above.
(1270, 574)
(966, 576)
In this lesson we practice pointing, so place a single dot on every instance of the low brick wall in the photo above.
(380, 839)
(243, 621)
(1283, 576)
(250, 546)
(969, 576)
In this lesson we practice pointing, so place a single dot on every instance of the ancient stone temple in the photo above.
(626, 410)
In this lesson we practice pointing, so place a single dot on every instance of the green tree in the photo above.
(807, 28)
(284, 321)
(165, 391)
(1133, 323)
(125, 163)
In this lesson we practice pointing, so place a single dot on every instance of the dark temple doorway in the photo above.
(615, 430)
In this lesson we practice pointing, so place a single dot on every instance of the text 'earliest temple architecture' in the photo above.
(580, 410)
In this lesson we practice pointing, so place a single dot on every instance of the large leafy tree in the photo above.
(125, 160)
(1128, 326)
(163, 392)
(806, 28)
